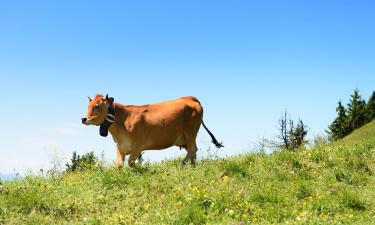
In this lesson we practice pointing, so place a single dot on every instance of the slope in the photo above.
(329, 184)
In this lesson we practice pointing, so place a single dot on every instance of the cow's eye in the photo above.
(96, 107)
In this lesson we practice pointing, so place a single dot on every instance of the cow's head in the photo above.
(97, 110)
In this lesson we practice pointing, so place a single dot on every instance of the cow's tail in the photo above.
(217, 144)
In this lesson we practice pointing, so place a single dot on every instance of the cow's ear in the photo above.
(109, 99)
(90, 99)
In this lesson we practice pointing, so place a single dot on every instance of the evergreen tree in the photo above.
(339, 128)
(370, 108)
(356, 111)
(297, 135)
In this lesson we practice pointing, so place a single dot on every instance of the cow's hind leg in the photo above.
(193, 153)
(133, 157)
(186, 159)
(191, 145)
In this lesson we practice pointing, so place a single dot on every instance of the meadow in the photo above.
(326, 184)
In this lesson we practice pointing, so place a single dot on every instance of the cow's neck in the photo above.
(120, 116)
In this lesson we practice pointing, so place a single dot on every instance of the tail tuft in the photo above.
(218, 144)
(214, 141)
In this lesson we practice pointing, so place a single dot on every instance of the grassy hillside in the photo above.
(330, 184)
(367, 132)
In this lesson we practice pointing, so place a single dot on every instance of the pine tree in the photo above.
(297, 135)
(356, 111)
(370, 108)
(339, 127)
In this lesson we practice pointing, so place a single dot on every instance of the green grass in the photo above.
(365, 133)
(329, 184)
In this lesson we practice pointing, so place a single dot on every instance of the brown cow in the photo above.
(149, 127)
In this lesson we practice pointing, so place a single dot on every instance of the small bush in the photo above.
(296, 164)
(84, 162)
(353, 201)
(291, 136)
(233, 167)
(205, 204)
(303, 191)
(344, 176)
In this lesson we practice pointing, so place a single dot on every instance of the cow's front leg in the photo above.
(120, 158)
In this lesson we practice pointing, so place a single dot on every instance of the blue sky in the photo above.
(245, 60)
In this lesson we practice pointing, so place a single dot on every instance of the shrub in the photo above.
(291, 136)
(303, 191)
(233, 167)
(344, 176)
(84, 162)
(353, 201)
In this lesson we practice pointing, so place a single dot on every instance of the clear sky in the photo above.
(245, 60)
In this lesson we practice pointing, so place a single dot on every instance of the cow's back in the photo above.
(167, 123)
(174, 111)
